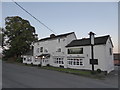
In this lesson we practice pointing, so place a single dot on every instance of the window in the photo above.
(59, 50)
(37, 43)
(58, 60)
(110, 50)
(41, 49)
(46, 60)
(75, 51)
(24, 59)
(58, 40)
(29, 59)
(46, 50)
(70, 62)
(75, 61)
(81, 61)
(37, 50)
(62, 62)
(35, 60)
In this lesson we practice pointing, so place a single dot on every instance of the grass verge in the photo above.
(86, 73)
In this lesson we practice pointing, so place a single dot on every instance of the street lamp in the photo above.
(36, 57)
(43, 57)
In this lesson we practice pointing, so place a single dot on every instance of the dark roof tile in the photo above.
(86, 41)
(57, 36)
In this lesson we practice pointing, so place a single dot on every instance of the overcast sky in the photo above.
(62, 17)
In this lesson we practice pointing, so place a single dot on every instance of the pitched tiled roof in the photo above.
(56, 36)
(86, 41)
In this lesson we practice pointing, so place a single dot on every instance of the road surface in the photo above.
(20, 76)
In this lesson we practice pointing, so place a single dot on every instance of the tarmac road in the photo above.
(19, 76)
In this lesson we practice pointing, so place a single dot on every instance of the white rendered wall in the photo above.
(52, 45)
(99, 53)
(109, 58)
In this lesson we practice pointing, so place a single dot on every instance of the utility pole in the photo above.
(92, 49)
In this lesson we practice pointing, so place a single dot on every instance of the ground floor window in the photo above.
(36, 60)
(74, 61)
(58, 60)
(24, 59)
(29, 59)
(45, 60)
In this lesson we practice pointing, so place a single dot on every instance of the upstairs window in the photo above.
(37, 43)
(110, 51)
(37, 50)
(41, 49)
(75, 51)
(46, 50)
(58, 40)
(59, 50)
(64, 39)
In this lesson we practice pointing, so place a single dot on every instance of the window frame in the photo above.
(41, 49)
(58, 60)
(75, 61)
(110, 51)
(71, 51)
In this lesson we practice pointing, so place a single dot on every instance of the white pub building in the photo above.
(67, 51)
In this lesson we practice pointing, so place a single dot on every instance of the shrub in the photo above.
(93, 72)
(105, 73)
(39, 65)
(61, 66)
(32, 64)
(19, 59)
(99, 70)
(48, 65)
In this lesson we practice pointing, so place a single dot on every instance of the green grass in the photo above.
(86, 73)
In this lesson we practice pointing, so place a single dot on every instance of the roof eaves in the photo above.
(61, 35)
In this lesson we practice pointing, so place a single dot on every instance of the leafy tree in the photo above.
(19, 36)
(2, 30)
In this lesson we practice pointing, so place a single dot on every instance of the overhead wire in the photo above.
(33, 16)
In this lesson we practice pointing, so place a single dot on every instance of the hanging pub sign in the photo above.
(94, 61)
